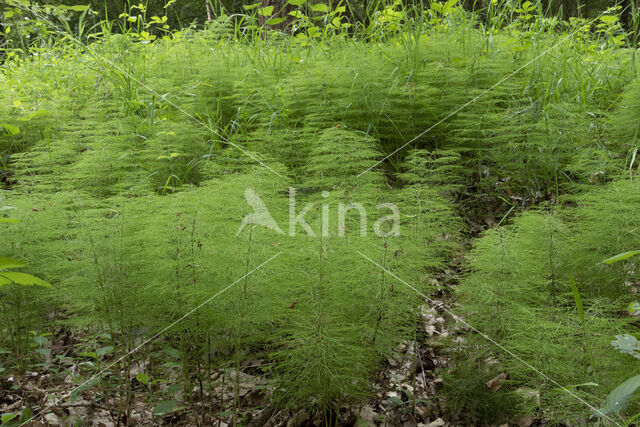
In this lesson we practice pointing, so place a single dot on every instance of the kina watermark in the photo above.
(386, 223)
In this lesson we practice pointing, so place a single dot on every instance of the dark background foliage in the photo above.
(182, 13)
(188, 11)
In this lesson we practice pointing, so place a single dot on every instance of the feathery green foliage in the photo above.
(134, 159)
(524, 273)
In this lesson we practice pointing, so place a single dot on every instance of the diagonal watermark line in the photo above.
(148, 340)
(149, 89)
(497, 344)
(466, 104)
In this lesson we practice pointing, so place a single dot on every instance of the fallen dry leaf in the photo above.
(437, 423)
(496, 383)
(527, 421)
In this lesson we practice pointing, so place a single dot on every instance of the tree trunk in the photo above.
(206, 4)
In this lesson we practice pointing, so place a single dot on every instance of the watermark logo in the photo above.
(384, 226)
(260, 214)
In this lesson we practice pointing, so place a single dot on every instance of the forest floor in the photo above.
(404, 389)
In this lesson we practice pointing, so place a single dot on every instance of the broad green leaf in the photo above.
(25, 415)
(5, 418)
(252, 6)
(621, 257)
(103, 351)
(274, 21)
(589, 384)
(10, 129)
(609, 19)
(35, 114)
(320, 7)
(627, 344)
(41, 341)
(619, 398)
(91, 354)
(43, 351)
(266, 11)
(171, 364)
(78, 7)
(143, 378)
(396, 401)
(296, 2)
(23, 279)
(10, 263)
(87, 364)
(172, 352)
(166, 407)
(76, 392)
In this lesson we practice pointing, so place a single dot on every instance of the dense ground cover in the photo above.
(129, 166)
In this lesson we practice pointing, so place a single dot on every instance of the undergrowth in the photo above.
(523, 273)
(130, 165)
